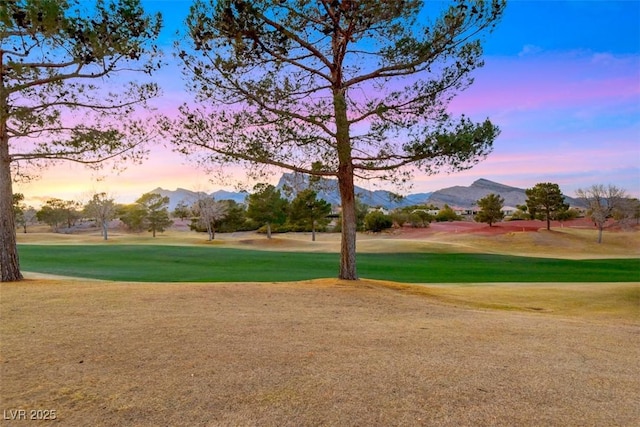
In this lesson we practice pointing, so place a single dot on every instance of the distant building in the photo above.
(508, 210)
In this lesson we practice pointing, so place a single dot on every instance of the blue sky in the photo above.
(564, 26)
(561, 79)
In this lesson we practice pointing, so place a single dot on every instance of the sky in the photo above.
(561, 80)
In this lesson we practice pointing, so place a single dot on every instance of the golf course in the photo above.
(449, 325)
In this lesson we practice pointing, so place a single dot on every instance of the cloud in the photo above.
(530, 49)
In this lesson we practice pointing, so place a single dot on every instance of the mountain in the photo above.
(229, 195)
(327, 189)
(179, 195)
(467, 197)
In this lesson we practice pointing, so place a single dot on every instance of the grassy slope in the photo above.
(155, 263)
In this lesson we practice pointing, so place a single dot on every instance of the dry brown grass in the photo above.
(326, 352)
(309, 353)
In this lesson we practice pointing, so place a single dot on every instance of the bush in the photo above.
(377, 221)
(400, 218)
(447, 214)
(420, 218)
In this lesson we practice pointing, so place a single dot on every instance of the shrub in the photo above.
(446, 214)
(400, 218)
(377, 221)
(420, 218)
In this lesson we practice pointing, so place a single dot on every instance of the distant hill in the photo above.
(327, 189)
(467, 197)
(178, 195)
(187, 196)
(237, 197)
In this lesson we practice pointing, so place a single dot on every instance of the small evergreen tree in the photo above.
(266, 206)
(132, 216)
(545, 201)
(235, 219)
(306, 208)
(490, 209)
(156, 211)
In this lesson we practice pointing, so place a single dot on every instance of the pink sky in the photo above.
(569, 114)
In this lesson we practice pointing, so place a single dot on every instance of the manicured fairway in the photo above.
(152, 263)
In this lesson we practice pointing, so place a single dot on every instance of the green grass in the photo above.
(152, 263)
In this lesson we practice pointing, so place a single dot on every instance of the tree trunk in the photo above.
(348, 269)
(9, 262)
(104, 230)
(600, 233)
(313, 230)
(268, 230)
(548, 220)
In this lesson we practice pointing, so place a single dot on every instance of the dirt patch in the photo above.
(575, 239)
(309, 353)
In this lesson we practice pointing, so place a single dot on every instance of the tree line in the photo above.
(546, 202)
(267, 209)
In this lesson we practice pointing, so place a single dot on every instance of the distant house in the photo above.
(380, 209)
(508, 210)
(432, 212)
(461, 211)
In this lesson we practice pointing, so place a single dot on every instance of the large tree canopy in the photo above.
(362, 87)
(56, 58)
